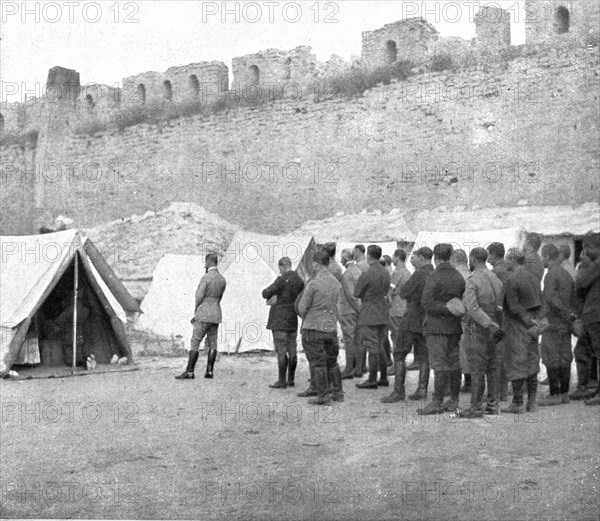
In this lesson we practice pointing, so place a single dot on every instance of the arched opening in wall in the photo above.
(141, 91)
(194, 86)
(89, 101)
(167, 90)
(253, 74)
(287, 69)
(561, 20)
(391, 52)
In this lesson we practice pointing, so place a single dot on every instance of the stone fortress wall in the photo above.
(365, 143)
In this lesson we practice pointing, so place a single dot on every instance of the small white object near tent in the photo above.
(38, 272)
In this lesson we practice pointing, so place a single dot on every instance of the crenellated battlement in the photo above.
(412, 41)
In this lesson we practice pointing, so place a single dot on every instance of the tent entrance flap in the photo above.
(67, 332)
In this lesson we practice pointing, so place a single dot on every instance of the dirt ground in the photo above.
(140, 444)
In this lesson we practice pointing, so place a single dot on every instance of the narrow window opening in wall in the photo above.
(254, 74)
(167, 90)
(141, 90)
(287, 69)
(89, 100)
(194, 86)
(391, 52)
(561, 20)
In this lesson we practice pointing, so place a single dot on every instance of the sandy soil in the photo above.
(143, 445)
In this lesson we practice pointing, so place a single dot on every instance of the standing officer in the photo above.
(374, 317)
(317, 307)
(443, 329)
(483, 294)
(522, 312)
(283, 321)
(207, 317)
(348, 309)
(559, 298)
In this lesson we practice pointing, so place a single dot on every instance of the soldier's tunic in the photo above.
(522, 304)
(559, 295)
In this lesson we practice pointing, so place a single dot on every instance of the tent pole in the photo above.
(75, 288)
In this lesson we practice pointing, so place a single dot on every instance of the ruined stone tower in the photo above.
(546, 20)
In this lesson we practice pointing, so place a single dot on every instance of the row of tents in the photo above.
(38, 270)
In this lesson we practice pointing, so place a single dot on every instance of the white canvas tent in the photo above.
(169, 304)
(245, 312)
(32, 267)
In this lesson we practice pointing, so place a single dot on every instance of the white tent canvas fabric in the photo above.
(31, 267)
(169, 303)
(248, 247)
(245, 312)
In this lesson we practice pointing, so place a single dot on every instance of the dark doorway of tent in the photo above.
(48, 349)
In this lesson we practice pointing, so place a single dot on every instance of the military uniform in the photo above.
(522, 306)
(348, 308)
(373, 320)
(317, 307)
(411, 330)
(559, 296)
(283, 321)
(443, 330)
(483, 293)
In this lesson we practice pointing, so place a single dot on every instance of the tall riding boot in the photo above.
(477, 385)
(397, 395)
(493, 391)
(583, 378)
(383, 363)
(293, 363)
(321, 383)
(516, 406)
(371, 382)
(189, 371)
(476, 408)
(387, 349)
(312, 388)
(421, 392)
(210, 363)
(455, 380)
(283, 366)
(502, 384)
(532, 385)
(564, 375)
(335, 377)
(439, 383)
(359, 355)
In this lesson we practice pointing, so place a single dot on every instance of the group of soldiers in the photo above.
(457, 317)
